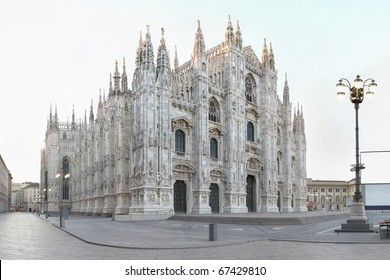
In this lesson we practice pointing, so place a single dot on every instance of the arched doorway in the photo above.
(180, 197)
(279, 200)
(214, 198)
(250, 193)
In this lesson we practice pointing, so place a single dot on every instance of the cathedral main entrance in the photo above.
(250, 190)
(180, 197)
(214, 198)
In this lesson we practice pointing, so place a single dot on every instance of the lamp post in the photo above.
(358, 220)
(61, 195)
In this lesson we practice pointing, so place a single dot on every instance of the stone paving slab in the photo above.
(180, 233)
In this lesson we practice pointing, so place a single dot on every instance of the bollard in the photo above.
(213, 232)
(62, 218)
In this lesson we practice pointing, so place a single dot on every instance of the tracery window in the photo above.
(250, 89)
(213, 148)
(214, 111)
(250, 132)
(180, 143)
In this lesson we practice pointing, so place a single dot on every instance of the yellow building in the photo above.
(327, 195)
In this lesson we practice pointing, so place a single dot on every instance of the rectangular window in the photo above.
(322, 189)
(344, 190)
(337, 190)
(329, 190)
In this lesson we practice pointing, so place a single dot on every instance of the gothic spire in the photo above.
(85, 119)
(271, 57)
(51, 115)
(117, 78)
(238, 37)
(124, 77)
(110, 90)
(199, 46)
(162, 54)
(176, 62)
(148, 55)
(264, 56)
(286, 91)
(55, 115)
(229, 34)
(138, 57)
(91, 115)
(100, 98)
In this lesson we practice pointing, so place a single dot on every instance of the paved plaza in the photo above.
(28, 236)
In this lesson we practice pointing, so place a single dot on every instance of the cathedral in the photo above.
(207, 136)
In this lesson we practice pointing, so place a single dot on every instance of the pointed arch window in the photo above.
(214, 110)
(250, 89)
(279, 137)
(180, 141)
(250, 132)
(213, 148)
(65, 178)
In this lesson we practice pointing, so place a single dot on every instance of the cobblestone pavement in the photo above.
(27, 236)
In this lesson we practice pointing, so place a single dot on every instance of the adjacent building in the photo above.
(208, 136)
(5, 187)
(327, 195)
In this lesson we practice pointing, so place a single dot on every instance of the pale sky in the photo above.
(62, 52)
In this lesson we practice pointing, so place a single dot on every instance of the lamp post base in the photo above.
(358, 221)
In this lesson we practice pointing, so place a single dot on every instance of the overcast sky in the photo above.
(61, 52)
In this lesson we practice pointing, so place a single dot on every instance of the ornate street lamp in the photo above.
(358, 220)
